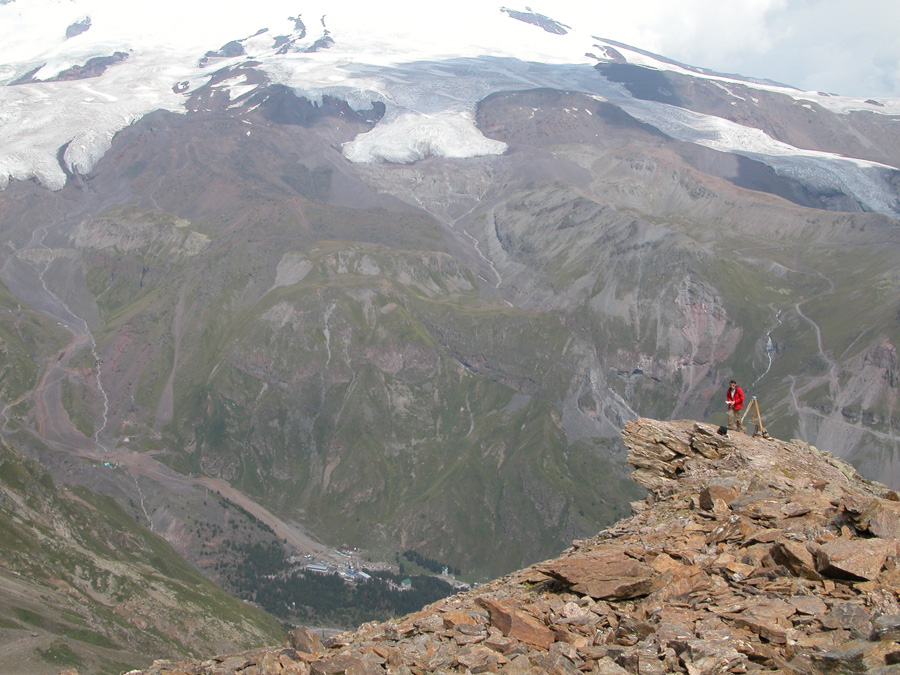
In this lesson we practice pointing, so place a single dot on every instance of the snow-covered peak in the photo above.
(166, 49)
(77, 71)
(616, 52)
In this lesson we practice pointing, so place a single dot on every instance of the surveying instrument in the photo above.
(755, 417)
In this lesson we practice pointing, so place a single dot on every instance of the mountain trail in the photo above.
(295, 536)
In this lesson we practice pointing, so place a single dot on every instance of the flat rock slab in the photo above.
(517, 624)
(607, 575)
(846, 558)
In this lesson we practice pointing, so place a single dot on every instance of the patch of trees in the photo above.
(327, 599)
(260, 572)
(428, 563)
(227, 503)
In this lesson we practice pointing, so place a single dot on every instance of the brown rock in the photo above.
(770, 631)
(631, 631)
(478, 658)
(518, 625)
(608, 574)
(345, 664)
(656, 452)
(679, 584)
(809, 604)
(795, 510)
(499, 643)
(304, 640)
(606, 666)
(767, 618)
(438, 654)
(296, 669)
(236, 662)
(707, 444)
(886, 628)
(763, 509)
(736, 528)
(674, 634)
(429, 624)
(739, 570)
(846, 558)
(518, 665)
(856, 656)
(555, 664)
(573, 613)
(773, 609)
(576, 637)
(764, 536)
(797, 558)
(706, 657)
(653, 479)
(452, 619)
(851, 616)
(665, 563)
(885, 521)
(716, 497)
(755, 554)
(823, 641)
(465, 639)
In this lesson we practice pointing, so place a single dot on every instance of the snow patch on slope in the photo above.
(35, 122)
(868, 182)
(414, 136)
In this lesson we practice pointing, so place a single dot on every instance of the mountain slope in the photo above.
(284, 323)
(751, 555)
(82, 584)
(396, 294)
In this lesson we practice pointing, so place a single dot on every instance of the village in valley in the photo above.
(347, 562)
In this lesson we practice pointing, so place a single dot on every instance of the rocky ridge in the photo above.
(749, 554)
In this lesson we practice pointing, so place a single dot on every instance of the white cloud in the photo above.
(849, 48)
(840, 47)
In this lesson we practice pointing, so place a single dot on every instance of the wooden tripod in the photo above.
(756, 418)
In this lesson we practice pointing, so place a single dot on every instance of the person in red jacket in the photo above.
(734, 399)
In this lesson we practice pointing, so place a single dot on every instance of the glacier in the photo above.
(414, 136)
(429, 74)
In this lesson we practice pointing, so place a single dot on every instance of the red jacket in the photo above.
(736, 398)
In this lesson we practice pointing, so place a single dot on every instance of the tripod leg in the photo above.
(741, 418)
(762, 429)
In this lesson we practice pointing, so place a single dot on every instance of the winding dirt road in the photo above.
(49, 421)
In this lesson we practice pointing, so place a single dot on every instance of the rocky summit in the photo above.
(748, 554)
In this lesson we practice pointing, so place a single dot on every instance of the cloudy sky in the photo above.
(847, 47)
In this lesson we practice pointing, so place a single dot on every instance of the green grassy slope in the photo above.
(83, 585)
